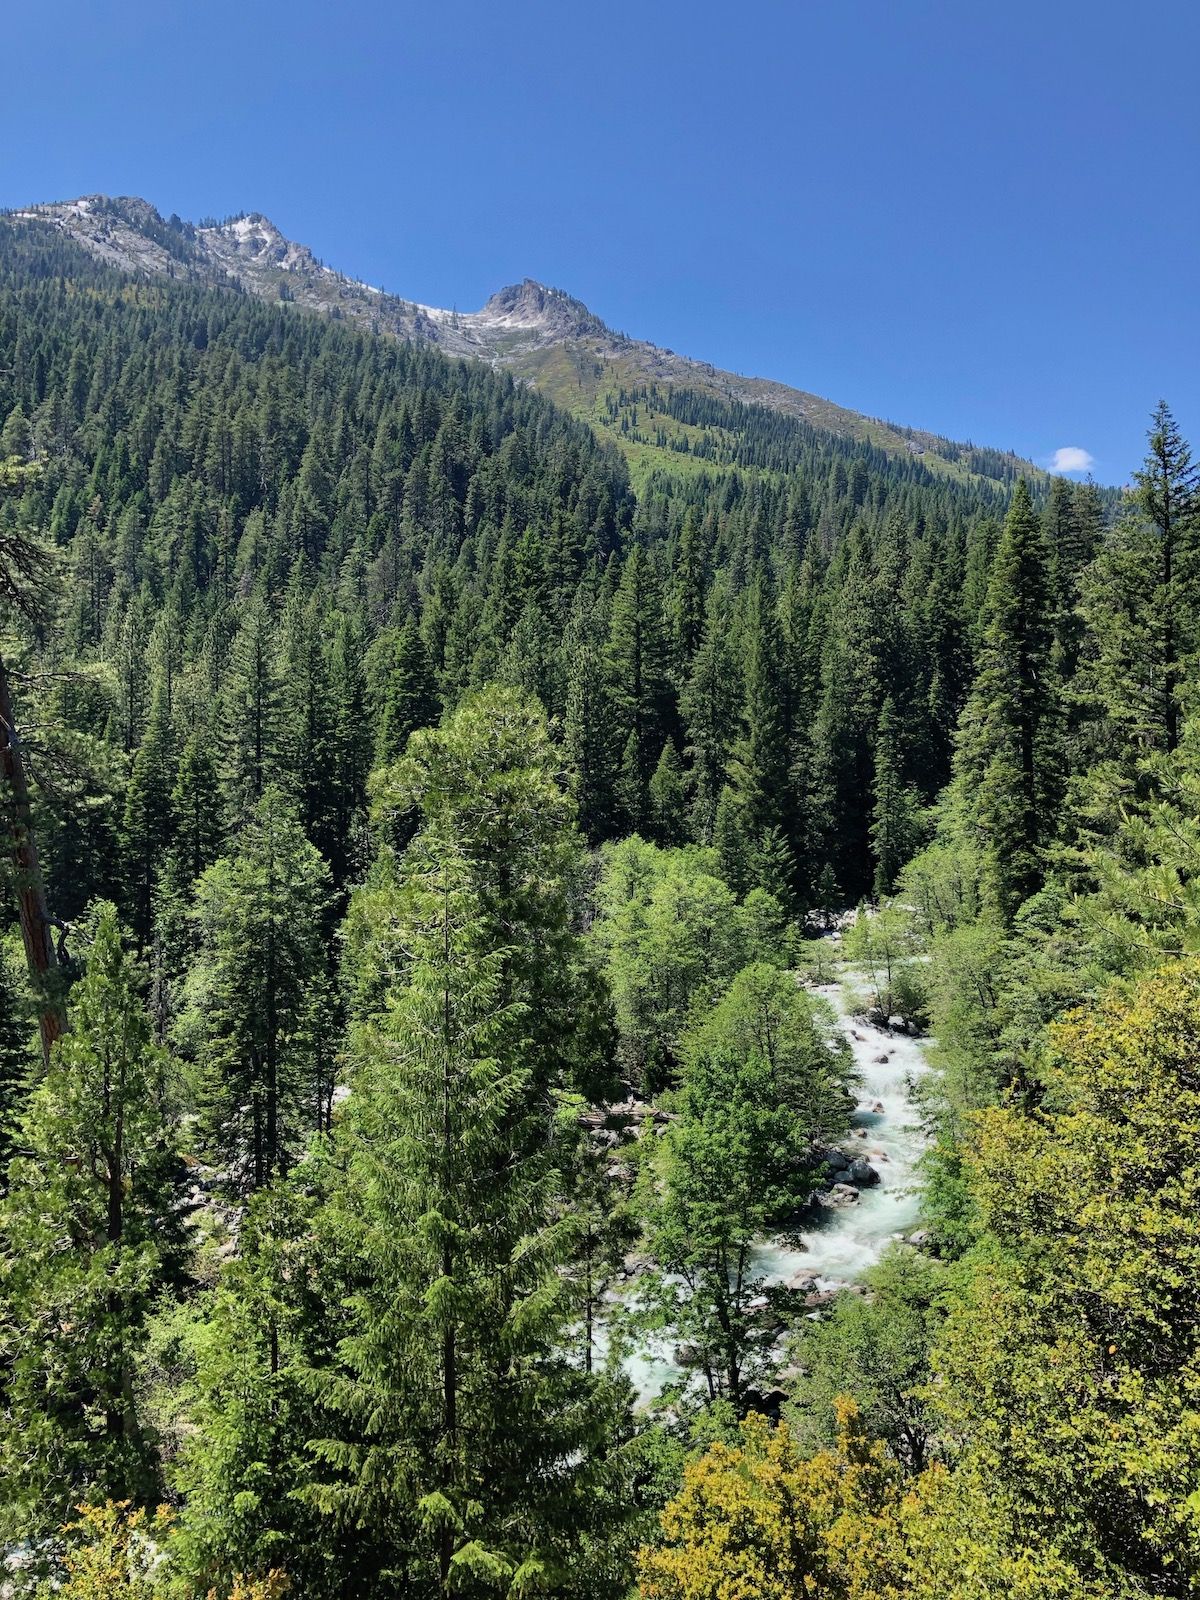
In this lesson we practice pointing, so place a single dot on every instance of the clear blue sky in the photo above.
(972, 215)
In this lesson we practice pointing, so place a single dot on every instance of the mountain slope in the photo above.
(622, 386)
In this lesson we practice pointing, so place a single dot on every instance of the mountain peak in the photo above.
(254, 239)
(538, 307)
(541, 334)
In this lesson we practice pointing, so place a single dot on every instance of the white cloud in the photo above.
(1070, 458)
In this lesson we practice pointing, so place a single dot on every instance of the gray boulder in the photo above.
(862, 1174)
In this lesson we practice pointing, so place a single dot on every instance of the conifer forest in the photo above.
(467, 877)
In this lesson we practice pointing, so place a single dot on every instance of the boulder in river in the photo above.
(842, 1194)
(836, 1160)
(881, 1060)
(862, 1174)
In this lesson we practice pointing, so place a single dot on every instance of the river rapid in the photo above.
(841, 1243)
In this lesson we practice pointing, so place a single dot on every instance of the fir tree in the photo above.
(893, 822)
(638, 663)
(149, 822)
(408, 698)
(485, 781)
(709, 704)
(688, 596)
(257, 994)
(588, 732)
(348, 752)
(255, 1338)
(91, 1238)
(16, 1058)
(733, 846)
(466, 1437)
(762, 758)
(1008, 759)
(1168, 491)
(252, 711)
(668, 796)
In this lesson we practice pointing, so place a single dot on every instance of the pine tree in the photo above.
(761, 1090)
(709, 704)
(348, 752)
(16, 1057)
(252, 712)
(306, 709)
(16, 437)
(91, 1237)
(149, 822)
(668, 796)
(196, 809)
(257, 995)
(1168, 491)
(23, 591)
(1008, 764)
(893, 822)
(485, 780)
(760, 770)
(688, 596)
(465, 1435)
(588, 736)
(732, 844)
(855, 669)
(637, 659)
(246, 1457)
(408, 698)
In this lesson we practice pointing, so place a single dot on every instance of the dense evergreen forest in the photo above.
(420, 848)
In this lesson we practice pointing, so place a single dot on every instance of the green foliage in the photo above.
(763, 1091)
(875, 1345)
(671, 938)
(256, 997)
(245, 1459)
(91, 1236)
(283, 548)
(17, 1054)
(1068, 1362)
(407, 697)
(882, 944)
(462, 1436)
(1009, 760)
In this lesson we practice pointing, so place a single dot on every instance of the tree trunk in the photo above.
(40, 954)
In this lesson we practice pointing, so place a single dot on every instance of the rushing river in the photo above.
(843, 1242)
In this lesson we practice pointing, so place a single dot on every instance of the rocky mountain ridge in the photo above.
(543, 335)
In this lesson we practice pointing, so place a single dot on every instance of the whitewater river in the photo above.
(843, 1242)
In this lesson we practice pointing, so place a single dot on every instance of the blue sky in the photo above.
(975, 217)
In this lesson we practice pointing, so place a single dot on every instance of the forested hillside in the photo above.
(422, 846)
(543, 336)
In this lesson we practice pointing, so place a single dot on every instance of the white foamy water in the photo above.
(847, 1241)
(840, 1244)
